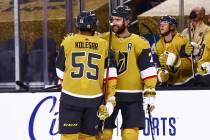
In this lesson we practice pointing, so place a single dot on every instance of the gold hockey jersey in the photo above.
(81, 65)
(197, 33)
(184, 72)
(134, 65)
(205, 56)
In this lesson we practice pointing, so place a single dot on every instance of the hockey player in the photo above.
(204, 62)
(136, 77)
(203, 68)
(198, 31)
(198, 27)
(173, 69)
(81, 67)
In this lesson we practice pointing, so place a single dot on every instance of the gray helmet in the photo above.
(122, 11)
(86, 20)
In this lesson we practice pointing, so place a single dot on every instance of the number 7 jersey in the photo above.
(81, 65)
(134, 63)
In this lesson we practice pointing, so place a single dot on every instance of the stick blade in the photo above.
(22, 85)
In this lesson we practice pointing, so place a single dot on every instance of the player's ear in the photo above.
(126, 22)
(172, 27)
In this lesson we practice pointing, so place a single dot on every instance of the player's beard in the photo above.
(120, 29)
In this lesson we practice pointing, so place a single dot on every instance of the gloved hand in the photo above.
(188, 49)
(163, 75)
(173, 60)
(196, 48)
(169, 59)
(149, 99)
(106, 110)
(206, 67)
(163, 59)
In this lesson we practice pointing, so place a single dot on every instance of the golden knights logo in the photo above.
(122, 63)
(201, 51)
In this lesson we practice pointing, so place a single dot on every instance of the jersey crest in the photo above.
(122, 64)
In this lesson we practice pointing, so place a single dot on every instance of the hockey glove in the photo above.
(169, 59)
(162, 60)
(196, 48)
(206, 67)
(163, 75)
(173, 60)
(149, 99)
(106, 110)
(188, 49)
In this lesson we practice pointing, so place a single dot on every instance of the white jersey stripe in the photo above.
(151, 71)
(112, 72)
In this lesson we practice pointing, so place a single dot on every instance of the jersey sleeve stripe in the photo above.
(150, 77)
(151, 71)
(112, 73)
(59, 73)
(111, 78)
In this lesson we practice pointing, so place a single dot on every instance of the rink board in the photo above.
(178, 115)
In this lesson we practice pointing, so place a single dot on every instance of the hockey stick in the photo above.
(133, 23)
(22, 85)
(147, 27)
(190, 40)
(28, 89)
(154, 42)
(151, 32)
(101, 129)
(150, 122)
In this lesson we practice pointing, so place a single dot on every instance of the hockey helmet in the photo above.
(122, 11)
(86, 20)
(170, 19)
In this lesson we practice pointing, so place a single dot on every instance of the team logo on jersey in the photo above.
(129, 46)
(201, 51)
(122, 62)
